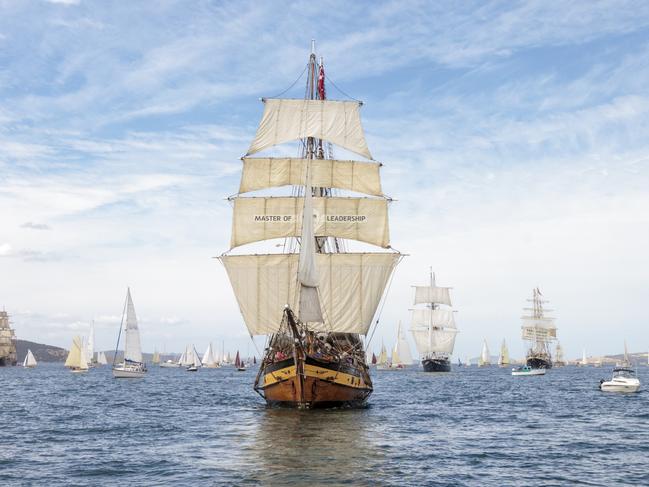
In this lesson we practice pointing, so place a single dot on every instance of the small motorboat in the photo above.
(527, 370)
(624, 380)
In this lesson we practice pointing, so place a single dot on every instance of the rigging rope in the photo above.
(341, 91)
(376, 324)
(294, 83)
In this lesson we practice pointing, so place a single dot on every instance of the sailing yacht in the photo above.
(316, 300)
(584, 359)
(90, 345)
(503, 358)
(76, 360)
(133, 366)
(433, 327)
(155, 360)
(101, 359)
(485, 358)
(209, 360)
(239, 364)
(559, 361)
(538, 331)
(30, 360)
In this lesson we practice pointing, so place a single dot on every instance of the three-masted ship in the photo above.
(538, 332)
(316, 300)
(433, 326)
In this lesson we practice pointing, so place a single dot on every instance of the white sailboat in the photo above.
(401, 356)
(155, 360)
(192, 359)
(503, 358)
(133, 365)
(382, 360)
(584, 359)
(76, 360)
(485, 358)
(30, 360)
(433, 327)
(209, 360)
(101, 359)
(559, 361)
(90, 344)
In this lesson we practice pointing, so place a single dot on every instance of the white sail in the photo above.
(265, 218)
(268, 172)
(401, 353)
(284, 120)
(437, 317)
(485, 357)
(91, 342)
(132, 348)
(432, 294)
(350, 287)
(436, 341)
(584, 360)
(30, 360)
(503, 358)
(208, 357)
(192, 357)
(101, 358)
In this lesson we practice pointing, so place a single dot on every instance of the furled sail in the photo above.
(432, 294)
(307, 269)
(338, 122)
(132, 348)
(363, 219)
(268, 172)
(538, 329)
(350, 288)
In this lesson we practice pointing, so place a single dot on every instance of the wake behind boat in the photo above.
(133, 365)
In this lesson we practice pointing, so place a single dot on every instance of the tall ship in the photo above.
(7, 341)
(539, 331)
(314, 298)
(433, 326)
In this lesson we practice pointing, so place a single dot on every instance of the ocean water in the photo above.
(468, 427)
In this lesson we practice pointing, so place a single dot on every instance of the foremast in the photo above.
(433, 326)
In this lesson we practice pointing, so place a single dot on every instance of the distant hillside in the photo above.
(43, 353)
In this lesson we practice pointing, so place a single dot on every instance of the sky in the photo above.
(514, 138)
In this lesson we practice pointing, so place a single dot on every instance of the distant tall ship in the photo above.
(316, 300)
(503, 358)
(485, 357)
(538, 332)
(559, 361)
(433, 326)
(7, 341)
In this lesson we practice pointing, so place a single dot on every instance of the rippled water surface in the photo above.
(469, 427)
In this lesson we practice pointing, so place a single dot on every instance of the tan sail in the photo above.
(269, 172)
(284, 120)
(351, 286)
(362, 219)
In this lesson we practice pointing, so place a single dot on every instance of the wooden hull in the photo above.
(322, 384)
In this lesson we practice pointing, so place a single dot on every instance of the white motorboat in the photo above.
(624, 380)
(527, 370)
(169, 364)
